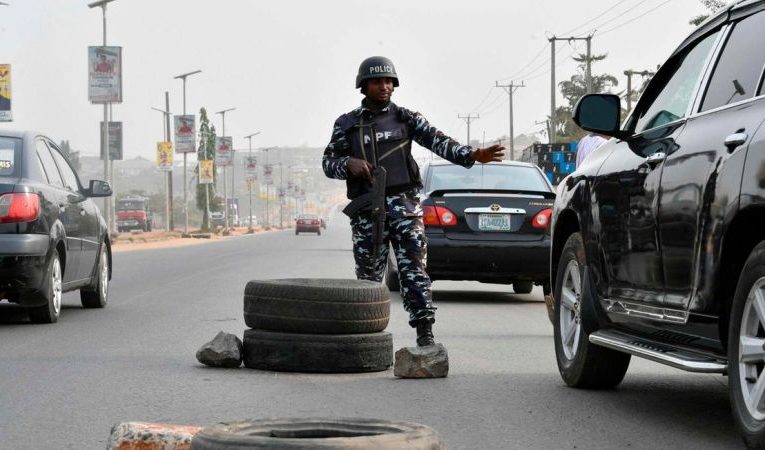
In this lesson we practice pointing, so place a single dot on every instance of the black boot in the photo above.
(425, 333)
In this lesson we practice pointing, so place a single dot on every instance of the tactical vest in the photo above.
(393, 150)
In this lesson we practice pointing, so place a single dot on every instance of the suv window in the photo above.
(48, 164)
(9, 161)
(670, 102)
(739, 68)
(70, 178)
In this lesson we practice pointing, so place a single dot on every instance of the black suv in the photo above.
(658, 239)
(53, 238)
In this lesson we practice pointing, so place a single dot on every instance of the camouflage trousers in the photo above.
(407, 237)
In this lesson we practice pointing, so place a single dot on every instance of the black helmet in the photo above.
(376, 67)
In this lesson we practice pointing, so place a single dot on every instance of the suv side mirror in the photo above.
(600, 113)
(98, 188)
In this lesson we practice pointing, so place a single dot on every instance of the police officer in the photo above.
(351, 156)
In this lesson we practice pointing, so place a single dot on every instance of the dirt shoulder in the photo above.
(124, 242)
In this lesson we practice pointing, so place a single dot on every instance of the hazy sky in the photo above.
(289, 66)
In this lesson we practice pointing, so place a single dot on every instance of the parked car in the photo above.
(487, 223)
(308, 223)
(250, 221)
(53, 238)
(658, 241)
(133, 213)
(217, 219)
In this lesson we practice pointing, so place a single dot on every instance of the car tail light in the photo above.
(438, 216)
(542, 219)
(20, 207)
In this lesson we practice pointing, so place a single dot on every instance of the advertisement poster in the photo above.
(252, 168)
(268, 174)
(165, 156)
(185, 132)
(5, 93)
(223, 151)
(105, 74)
(115, 140)
(206, 171)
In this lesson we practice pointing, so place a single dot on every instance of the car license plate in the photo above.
(494, 222)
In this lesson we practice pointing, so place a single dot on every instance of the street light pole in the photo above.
(225, 194)
(166, 132)
(185, 187)
(268, 193)
(249, 184)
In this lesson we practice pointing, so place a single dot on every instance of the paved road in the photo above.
(65, 385)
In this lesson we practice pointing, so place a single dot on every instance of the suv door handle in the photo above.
(735, 140)
(656, 158)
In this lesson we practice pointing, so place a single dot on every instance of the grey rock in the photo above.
(422, 362)
(225, 350)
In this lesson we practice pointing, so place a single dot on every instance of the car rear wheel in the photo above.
(580, 363)
(523, 287)
(52, 293)
(746, 350)
(96, 296)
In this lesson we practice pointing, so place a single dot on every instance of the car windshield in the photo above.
(10, 148)
(307, 217)
(130, 206)
(487, 176)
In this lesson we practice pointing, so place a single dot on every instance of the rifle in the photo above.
(373, 201)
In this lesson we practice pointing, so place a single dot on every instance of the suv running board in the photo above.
(657, 352)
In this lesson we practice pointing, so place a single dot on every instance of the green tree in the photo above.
(206, 151)
(72, 155)
(712, 5)
(573, 89)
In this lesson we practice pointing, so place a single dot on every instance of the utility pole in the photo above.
(588, 75)
(510, 88)
(168, 138)
(166, 133)
(225, 194)
(469, 118)
(185, 187)
(249, 183)
(629, 73)
(268, 193)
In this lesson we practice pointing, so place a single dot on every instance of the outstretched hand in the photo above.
(358, 168)
(488, 154)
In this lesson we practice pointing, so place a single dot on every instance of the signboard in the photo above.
(5, 93)
(268, 174)
(115, 140)
(165, 156)
(105, 74)
(185, 130)
(223, 151)
(251, 168)
(206, 172)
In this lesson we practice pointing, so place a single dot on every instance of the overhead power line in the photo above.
(634, 18)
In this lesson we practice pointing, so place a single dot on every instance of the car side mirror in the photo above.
(600, 113)
(98, 188)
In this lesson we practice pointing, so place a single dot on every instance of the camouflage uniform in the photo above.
(404, 228)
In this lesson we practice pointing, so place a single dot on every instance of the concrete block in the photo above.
(151, 436)
(422, 362)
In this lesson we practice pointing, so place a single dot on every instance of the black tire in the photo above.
(296, 232)
(523, 287)
(347, 433)
(586, 365)
(316, 306)
(751, 427)
(97, 295)
(324, 353)
(392, 280)
(51, 294)
(318, 232)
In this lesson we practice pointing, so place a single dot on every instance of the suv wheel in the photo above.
(51, 310)
(580, 363)
(97, 294)
(746, 353)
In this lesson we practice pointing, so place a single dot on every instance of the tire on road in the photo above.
(321, 306)
(580, 363)
(97, 295)
(341, 433)
(322, 353)
(745, 332)
(50, 311)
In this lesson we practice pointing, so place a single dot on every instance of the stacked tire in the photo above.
(317, 325)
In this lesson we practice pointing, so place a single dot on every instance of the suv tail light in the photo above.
(20, 207)
(542, 219)
(438, 216)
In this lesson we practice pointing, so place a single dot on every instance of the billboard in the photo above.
(206, 174)
(251, 169)
(5, 93)
(115, 141)
(268, 174)
(105, 74)
(165, 156)
(185, 131)
(223, 151)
